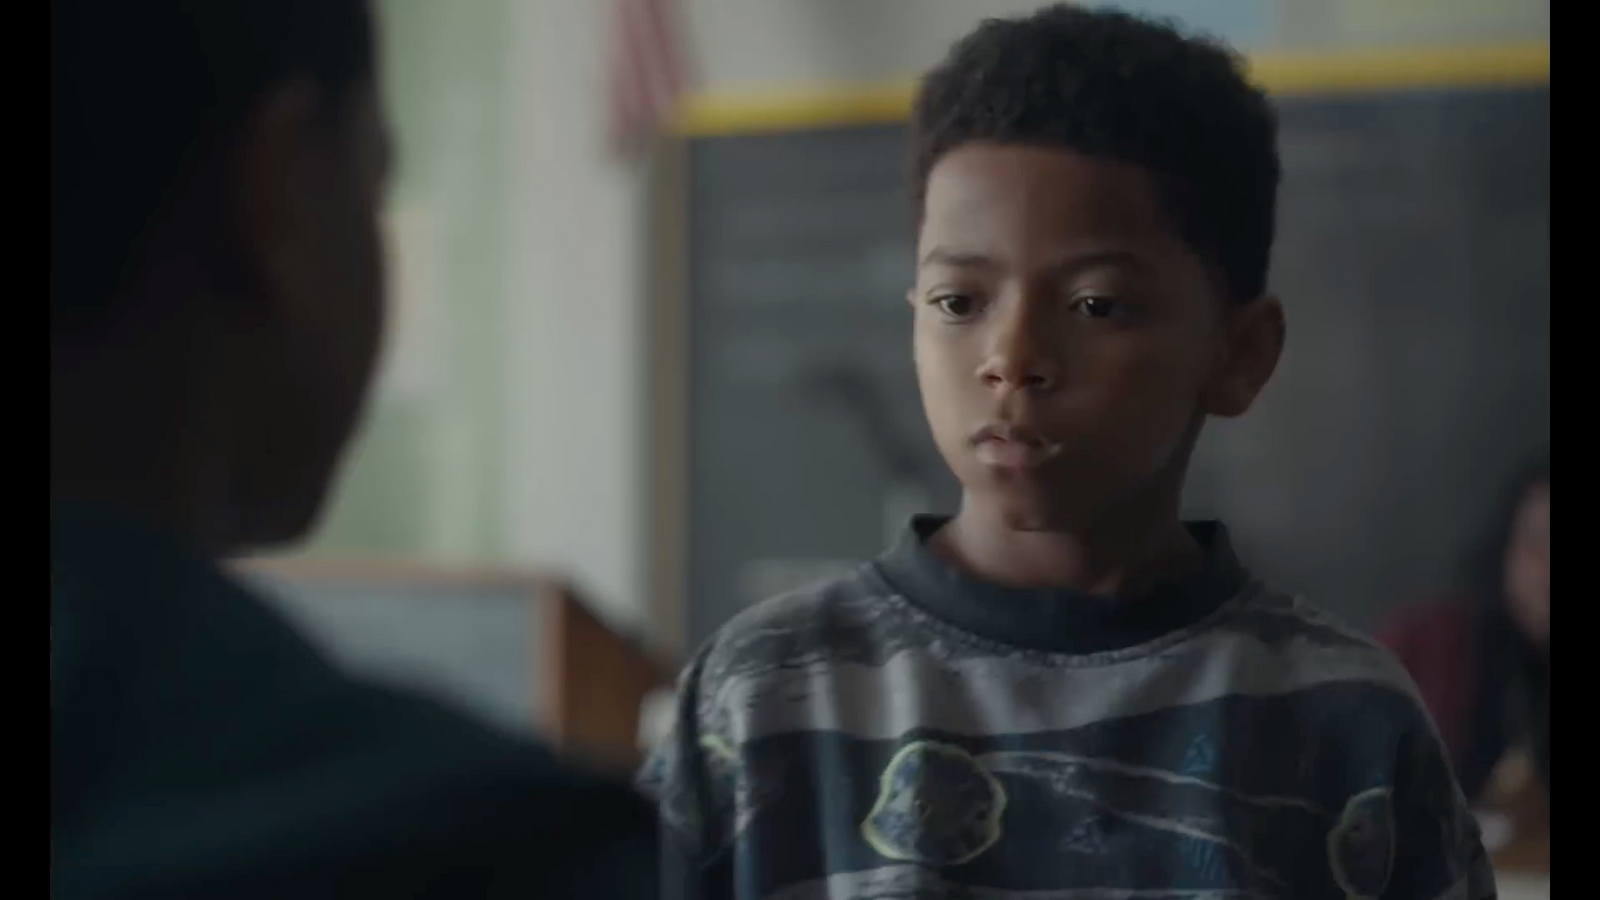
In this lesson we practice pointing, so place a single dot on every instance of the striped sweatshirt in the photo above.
(906, 732)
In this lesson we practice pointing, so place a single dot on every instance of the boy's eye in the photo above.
(956, 306)
(1096, 307)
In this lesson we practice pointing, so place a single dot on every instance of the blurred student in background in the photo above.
(1482, 657)
(216, 302)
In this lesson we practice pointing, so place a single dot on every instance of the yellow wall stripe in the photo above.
(1332, 72)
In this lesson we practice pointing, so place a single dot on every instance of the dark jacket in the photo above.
(201, 748)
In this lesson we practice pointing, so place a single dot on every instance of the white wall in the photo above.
(746, 43)
(573, 491)
(741, 45)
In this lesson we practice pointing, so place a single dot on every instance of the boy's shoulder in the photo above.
(858, 618)
(1296, 634)
(851, 617)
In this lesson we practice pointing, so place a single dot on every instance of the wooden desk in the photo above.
(1513, 886)
(1519, 811)
(519, 649)
(1522, 867)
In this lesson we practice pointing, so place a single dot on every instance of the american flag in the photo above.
(645, 72)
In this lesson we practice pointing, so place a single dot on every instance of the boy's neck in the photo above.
(1122, 560)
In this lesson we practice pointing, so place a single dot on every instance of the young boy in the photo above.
(1064, 690)
(216, 170)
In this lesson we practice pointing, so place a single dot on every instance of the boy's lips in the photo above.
(1005, 446)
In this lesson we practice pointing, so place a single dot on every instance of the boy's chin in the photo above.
(1030, 512)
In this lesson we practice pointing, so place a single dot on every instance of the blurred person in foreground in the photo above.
(1481, 656)
(1065, 689)
(216, 174)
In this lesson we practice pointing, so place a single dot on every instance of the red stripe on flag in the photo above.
(645, 77)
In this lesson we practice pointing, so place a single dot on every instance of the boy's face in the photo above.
(1068, 342)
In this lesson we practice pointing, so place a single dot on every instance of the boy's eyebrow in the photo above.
(940, 256)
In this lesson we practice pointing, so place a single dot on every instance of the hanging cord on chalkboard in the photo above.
(907, 492)
(847, 386)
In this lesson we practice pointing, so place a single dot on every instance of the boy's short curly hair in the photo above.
(1122, 87)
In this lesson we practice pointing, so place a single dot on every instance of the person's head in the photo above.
(1096, 200)
(216, 273)
(1516, 558)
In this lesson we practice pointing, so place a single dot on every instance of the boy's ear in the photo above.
(1252, 344)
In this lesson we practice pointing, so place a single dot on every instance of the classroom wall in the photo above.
(781, 42)
(512, 427)
(504, 427)
(426, 475)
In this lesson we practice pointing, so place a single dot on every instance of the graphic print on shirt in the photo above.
(937, 805)
(1361, 845)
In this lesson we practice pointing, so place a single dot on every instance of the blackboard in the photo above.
(1413, 260)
